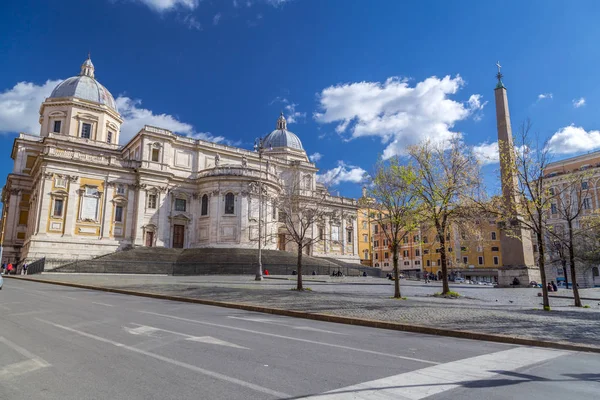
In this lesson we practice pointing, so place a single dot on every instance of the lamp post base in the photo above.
(258, 278)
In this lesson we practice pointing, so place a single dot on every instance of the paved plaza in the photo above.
(514, 312)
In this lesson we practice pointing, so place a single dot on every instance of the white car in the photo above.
(1, 282)
(459, 280)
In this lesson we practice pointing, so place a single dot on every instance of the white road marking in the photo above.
(143, 329)
(102, 304)
(276, 322)
(212, 340)
(32, 363)
(29, 313)
(190, 367)
(416, 385)
(291, 338)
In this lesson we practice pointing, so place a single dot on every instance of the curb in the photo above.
(572, 298)
(338, 319)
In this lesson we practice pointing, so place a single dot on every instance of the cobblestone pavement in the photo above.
(514, 312)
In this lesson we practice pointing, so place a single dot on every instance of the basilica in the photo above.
(75, 192)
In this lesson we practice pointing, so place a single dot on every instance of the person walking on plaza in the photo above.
(554, 287)
(24, 269)
(9, 269)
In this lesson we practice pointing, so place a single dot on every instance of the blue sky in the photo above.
(356, 79)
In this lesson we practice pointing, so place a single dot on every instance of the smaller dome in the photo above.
(281, 137)
(85, 86)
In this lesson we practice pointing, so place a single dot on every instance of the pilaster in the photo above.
(71, 214)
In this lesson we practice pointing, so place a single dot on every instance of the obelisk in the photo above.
(515, 240)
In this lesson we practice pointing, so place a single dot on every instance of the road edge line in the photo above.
(395, 326)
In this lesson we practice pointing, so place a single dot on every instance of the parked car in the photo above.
(459, 280)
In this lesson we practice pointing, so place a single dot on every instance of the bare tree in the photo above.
(301, 208)
(394, 200)
(447, 178)
(570, 199)
(523, 209)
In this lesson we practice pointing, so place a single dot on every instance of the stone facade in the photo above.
(75, 193)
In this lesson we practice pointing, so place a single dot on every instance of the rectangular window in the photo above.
(428, 263)
(91, 191)
(180, 204)
(417, 252)
(364, 225)
(439, 262)
(281, 216)
(480, 259)
(553, 208)
(495, 248)
(335, 233)
(60, 182)
(119, 214)
(58, 208)
(121, 190)
(584, 185)
(386, 255)
(376, 256)
(56, 127)
(449, 249)
(493, 235)
(406, 262)
(321, 233)
(463, 248)
(416, 238)
(376, 243)
(466, 260)
(376, 229)
(155, 155)
(152, 201)
(86, 130)
(496, 260)
(405, 240)
(109, 137)
(425, 240)
(405, 253)
(417, 262)
(425, 251)
(551, 191)
(587, 203)
(23, 216)
(366, 238)
(274, 213)
(349, 235)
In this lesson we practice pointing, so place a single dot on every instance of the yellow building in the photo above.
(365, 218)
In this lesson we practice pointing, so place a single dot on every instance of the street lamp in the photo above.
(258, 147)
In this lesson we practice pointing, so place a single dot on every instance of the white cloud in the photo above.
(19, 112)
(216, 19)
(574, 139)
(192, 22)
(291, 115)
(277, 3)
(580, 102)
(135, 117)
(168, 5)
(315, 157)
(543, 96)
(342, 173)
(20, 106)
(486, 153)
(397, 113)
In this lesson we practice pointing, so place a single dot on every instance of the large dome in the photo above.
(281, 137)
(85, 87)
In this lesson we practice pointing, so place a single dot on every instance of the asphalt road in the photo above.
(67, 343)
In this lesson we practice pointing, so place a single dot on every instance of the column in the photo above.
(355, 237)
(343, 233)
(140, 209)
(71, 214)
(107, 207)
(164, 223)
(129, 216)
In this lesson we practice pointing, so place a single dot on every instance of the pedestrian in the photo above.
(9, 269)
(3, 268)
(314, 272)
(266, 272)
(550, 288)
(554, 287)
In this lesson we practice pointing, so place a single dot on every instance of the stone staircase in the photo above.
(204, 261)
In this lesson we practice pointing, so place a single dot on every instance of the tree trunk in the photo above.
(299, 266)
(540, 243)
(396, 277)
(444, 264)
(563, 260)
(572, 264)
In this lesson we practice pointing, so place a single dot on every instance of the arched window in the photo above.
(204, 205)
(229, 203)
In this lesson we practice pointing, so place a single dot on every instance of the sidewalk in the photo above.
(482, 309)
